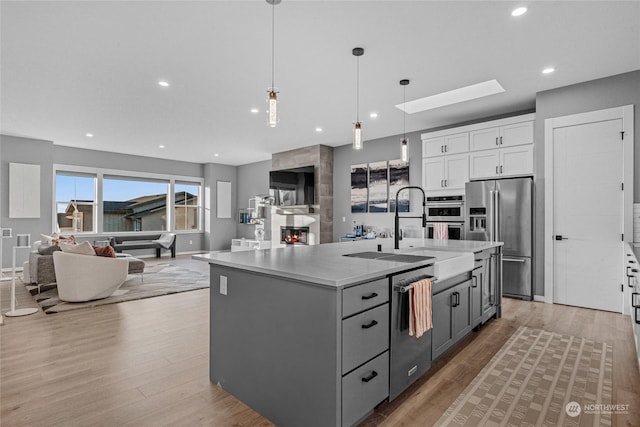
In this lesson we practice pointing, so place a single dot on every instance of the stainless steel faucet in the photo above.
(396, 236)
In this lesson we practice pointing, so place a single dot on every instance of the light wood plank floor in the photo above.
(145, 363)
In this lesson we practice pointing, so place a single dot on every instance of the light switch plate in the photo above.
(223, 285)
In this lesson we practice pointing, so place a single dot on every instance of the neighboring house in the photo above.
(146, 213)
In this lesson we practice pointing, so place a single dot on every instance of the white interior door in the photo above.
(588, 214)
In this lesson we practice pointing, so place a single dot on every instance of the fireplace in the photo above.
(294, 235)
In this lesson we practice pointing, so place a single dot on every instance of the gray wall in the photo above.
(106, 160)
(221, 230)
(45, 153)
(253, 179)
(614, 91)
(32, 151)
(374, 150)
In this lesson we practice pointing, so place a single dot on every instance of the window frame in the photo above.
(98, 214)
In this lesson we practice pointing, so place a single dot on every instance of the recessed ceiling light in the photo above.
(455, 96)
(254, 110)
(89, 135)
(318, 129)
(160, 146)
(373, 115)
(216, 154)
(519, 11)
(163, 83)
(548, 70)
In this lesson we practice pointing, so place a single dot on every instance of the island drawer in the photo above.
(364, 336)
(363, 297)
(364, 388)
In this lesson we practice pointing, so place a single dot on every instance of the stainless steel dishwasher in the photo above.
(410, 356)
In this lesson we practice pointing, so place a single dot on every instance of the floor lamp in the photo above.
(22, 243)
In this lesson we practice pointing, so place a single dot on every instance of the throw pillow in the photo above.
(106, 251)
(47, 239)
(83, 248)
(48, 249)
(64, 239)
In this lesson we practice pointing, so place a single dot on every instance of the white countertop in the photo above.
(325, 265)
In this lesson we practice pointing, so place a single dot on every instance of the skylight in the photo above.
(454, 96)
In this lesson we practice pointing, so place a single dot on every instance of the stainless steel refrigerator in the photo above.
(502, 210)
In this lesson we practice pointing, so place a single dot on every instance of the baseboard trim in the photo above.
(539, 298)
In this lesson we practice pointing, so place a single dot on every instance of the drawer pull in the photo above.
(369, 377)
(633, 303)
(371, 295)
(370, 324)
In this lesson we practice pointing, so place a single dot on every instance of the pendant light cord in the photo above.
(404, 113)
(358, 89)
(273, 43)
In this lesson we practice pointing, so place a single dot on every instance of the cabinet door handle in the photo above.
(496, 140)
(500, 140)
(475, 282)
(442, 183)
(371, 295)
(369, 377)
(496, 170)
(635, 315)
(445, 182)
(445, 148)
(456, 299)
(452, 299)
(500, 168)
(633, 303)
(442, 148)
(370, 324)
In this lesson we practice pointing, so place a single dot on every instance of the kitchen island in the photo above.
(304, 335)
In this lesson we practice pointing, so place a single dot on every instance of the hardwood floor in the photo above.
(145, 363)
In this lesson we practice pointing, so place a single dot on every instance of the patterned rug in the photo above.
(160, 279)
(538, 378)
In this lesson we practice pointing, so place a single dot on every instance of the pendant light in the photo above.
(272, 99)
(357, 127)
(404, 147)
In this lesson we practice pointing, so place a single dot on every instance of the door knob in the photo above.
(559, 237)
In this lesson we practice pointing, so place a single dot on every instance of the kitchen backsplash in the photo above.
(636, 222)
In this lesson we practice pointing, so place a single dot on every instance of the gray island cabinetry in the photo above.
(302, 335)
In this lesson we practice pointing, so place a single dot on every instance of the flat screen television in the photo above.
(292, 187)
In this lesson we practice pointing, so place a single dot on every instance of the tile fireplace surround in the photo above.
(321, 157)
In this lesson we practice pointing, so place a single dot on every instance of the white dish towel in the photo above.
(440, 231)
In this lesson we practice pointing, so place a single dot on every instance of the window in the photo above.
(105, 201)
(75, 202)
(134, 204)
(186, 206)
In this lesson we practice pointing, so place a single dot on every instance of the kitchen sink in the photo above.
(385, 256)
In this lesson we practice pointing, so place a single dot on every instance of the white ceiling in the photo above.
(69, 68)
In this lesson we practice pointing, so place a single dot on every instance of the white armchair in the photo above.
(85, 277)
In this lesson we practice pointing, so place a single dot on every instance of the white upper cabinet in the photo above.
(449, 144)
(445, 172)
(501, 162)
(433, 173)
(484, 139)
(497, 149)
(516, 134)
(501, 136)
(516, 160)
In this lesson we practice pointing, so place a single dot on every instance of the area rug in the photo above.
(161, 279)
(539, 378)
